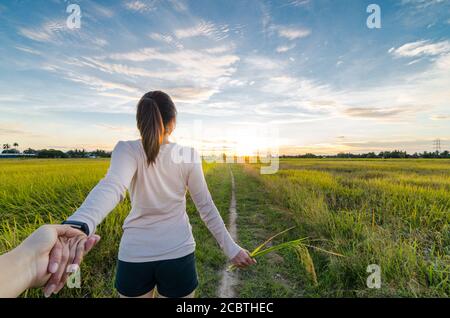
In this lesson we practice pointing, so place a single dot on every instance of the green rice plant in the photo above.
(300, 246)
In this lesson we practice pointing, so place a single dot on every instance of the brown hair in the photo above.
(154, 111)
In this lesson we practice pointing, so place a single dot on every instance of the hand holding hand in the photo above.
(67, 253)
(48, 251)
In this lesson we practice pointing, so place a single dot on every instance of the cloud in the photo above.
(16, 131)
(112, 68)
(179, 5)
(203, 28)
(140, 6)
(372, 112)
(45, 33)
(285, 48)
(291, 32)
(422, 4)
(185, 63)
(266, 18)
(298, 3)
(190, 76)
(261, 62)
(440, 117)
(191, 94)
(101, 10)
(421, 48)
(166, 39)
(56, 32)
(96, 83)
(28, 50)
(390, 144)
(414, 61)
(116, 128)
(219, 49)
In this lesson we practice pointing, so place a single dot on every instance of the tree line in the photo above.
(82, 153)
(396, 154)
(53, 153)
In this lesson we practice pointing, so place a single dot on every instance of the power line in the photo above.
(437, 145)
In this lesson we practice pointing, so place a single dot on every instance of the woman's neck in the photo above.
(166, 140)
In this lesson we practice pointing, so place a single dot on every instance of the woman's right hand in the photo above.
(243, 259)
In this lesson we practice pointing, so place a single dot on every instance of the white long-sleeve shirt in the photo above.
(157, 227)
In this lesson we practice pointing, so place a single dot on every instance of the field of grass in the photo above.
(393, 213)
(35, 192)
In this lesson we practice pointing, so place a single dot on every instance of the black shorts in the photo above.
(173, 278)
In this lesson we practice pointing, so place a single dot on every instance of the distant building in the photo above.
(16, 155)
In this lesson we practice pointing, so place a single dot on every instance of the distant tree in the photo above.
(6, 146)
(30, 151)
(344, 155)
(76, 153)
(101, 153)
(445, 154)
(51, 153)
(11, 151)
(15, 145)
(371, 155)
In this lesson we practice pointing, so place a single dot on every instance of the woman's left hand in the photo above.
(243, 259)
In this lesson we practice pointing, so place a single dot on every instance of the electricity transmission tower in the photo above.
(437, 145)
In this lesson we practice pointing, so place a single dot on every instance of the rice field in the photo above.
(393, 213)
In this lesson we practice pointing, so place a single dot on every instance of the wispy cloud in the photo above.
(96, 83)
(298, 3)
(16, 131)
(260, 62)
(168, 39)
(117, 128)
(186, 63)
(203, 28)
(28, 50)
(422, 4)
(56, 32)
(421, 48)
(45, 33)
(292, 32)
(440, 117)
(285, 48)
(179, 5)
(372, 112)
(140, 6)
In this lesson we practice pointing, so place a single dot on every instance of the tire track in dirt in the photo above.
(230, 280)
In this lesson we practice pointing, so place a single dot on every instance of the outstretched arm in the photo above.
(201, 196)
(101, 200)
(110, 190)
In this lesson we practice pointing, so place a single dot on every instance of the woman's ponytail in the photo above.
(154, 111)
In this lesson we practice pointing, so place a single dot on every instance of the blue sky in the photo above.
(307, 75)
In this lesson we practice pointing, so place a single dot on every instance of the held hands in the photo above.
(243, 259)
(50, 250)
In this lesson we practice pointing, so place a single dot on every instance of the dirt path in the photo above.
(230, 279)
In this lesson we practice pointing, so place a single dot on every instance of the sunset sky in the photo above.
(300, 75)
